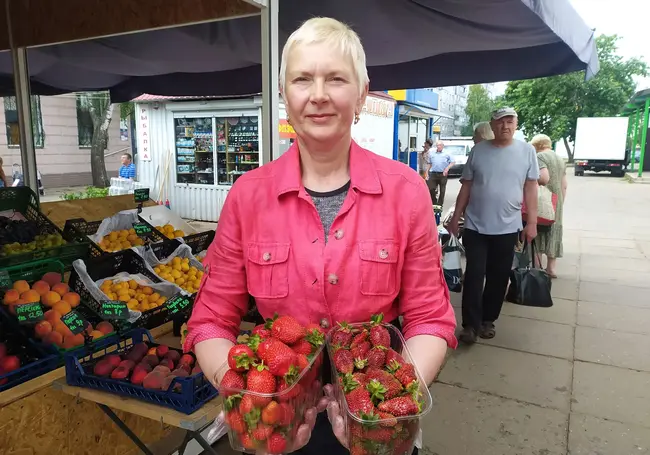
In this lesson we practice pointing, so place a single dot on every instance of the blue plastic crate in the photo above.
(195, 390)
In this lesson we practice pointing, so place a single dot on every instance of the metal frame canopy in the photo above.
(36, 23)
(638, 108)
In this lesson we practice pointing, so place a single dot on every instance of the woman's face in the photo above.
(321, 93)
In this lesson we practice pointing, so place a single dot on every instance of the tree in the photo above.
(100, 109)
(552, 105)
(478, 109)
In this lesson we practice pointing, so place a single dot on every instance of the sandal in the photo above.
(467, 335)
(551, 274)
(488, 331)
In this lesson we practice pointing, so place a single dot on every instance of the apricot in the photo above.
(105, 327)
(61, 289)
(30, 296)
(62, 307)
(173, 355)
(72, 298)
(96, 334)
(51, 298)
(113, 359)
(162, 350)
(52, 278)
(128, 364)
(143, 366)
(120, 373)
(103, 368)
(42, 329)
(138, 375)
(153, 380)
(61, 328)
(151, 360)
(72, 341)
(187, 359)
(11, 296)
(55, 338)
(41, 287)
(21, 286)
(52, 316)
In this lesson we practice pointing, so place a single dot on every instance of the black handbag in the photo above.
(529, 285)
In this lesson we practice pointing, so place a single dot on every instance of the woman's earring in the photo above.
(288, 120)
(356, 118)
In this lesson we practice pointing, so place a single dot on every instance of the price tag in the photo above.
(74, 321)
(29, 313)
(111, 309)
(141, 195)
(5, 281)
(142, 230)
(178, 303)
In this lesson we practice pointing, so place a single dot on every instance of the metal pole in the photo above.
(270, 82)
(24, 108)
(636, 131)
(644, 135)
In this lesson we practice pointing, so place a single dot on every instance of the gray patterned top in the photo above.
(328, 205)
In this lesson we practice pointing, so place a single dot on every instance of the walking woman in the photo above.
(3, 176)
(553, 176)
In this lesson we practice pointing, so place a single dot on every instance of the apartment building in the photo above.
(62, 135)
(452, 101)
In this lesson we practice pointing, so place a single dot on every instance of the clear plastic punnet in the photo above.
(254, 419)
(373, 433)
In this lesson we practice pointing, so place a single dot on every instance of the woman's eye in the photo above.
(338, 79)
(301, 79)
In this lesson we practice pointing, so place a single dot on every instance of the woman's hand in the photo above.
(335, 417)
(211, 355)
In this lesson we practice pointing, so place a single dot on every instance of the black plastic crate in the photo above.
(22, 200)
(199, 241)
(79, 229)
(110, 265)
(194, 392)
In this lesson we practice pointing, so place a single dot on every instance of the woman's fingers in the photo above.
(337, 422)
(303, 435)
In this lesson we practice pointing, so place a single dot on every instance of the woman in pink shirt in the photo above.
(329, 231)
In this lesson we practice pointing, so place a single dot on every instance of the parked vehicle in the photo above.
(458, 148)
(600, 145)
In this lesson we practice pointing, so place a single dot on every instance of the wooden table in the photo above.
(193, 424)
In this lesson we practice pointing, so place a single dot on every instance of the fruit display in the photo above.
(120, 240)
(181, 272)
(137, 296)
(381, 394)
(19, 236)
(56, 300)
(168, 231)
(269, 382)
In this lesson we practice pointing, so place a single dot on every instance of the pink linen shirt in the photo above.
(382, 253)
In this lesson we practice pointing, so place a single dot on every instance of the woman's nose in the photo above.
(318, 92)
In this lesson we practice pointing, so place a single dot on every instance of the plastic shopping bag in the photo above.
(529, 285)
(451, 264)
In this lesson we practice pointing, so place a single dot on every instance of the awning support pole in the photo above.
(396, 148)
(634, 140)
(24, 108)
(270, 87)
(644, 135)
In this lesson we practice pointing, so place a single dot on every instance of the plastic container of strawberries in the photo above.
(292, 403)
(394, 436)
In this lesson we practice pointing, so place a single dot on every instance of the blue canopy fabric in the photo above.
(408, 43)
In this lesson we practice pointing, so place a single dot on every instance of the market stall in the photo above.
(197, 148)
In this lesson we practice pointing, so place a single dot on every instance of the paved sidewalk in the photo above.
(573, 379)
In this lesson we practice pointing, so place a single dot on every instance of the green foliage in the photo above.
(552, 105)
(91, 192)
(478, 109)
(126, 109)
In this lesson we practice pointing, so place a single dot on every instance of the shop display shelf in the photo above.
(21, 202)
(34, 360)
(110, 265)
(185, 394)
(79, 229)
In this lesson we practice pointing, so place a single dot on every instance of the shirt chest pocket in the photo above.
(267, 270)
(378, 267)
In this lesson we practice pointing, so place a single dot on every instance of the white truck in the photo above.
(600, 145)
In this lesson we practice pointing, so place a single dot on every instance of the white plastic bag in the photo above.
(452, 265)
(183, 251)
(118, 222)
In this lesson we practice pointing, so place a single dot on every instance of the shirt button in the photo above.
(338, 235)
(266, 256)
(333, 279)
(324, 323)
(383, 254)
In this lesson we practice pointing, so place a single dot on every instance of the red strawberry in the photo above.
(388, 420)
(400, 406)
(280, 358)
(288, 414)
(359, 338)
(361, 378)
(313, 326)
(379, 335)
(358, 449)
(376, 357)
(262, 331)
(235, 421)
(240, 357)
(263, 347)
(359, 401)
(344, 361)
(273, 413)
(287, 330)
(262, 432)
(405, 374)
(294, 392)
(260, 380)
(247, 441)
(247, 404)
(276, 443)
(302, 362)
(393, 386)
(342, 335)
(360, 350)
(231, 383)
(392, 355)
(379, 434)
(302, 347)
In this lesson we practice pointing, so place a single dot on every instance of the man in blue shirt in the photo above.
(127, 170)
(438, 165)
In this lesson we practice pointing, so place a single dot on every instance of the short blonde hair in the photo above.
(541, 142)
(325, 30)
(484, 130)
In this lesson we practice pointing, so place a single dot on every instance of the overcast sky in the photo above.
(626, 18)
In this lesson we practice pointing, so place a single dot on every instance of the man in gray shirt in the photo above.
(498, 176)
